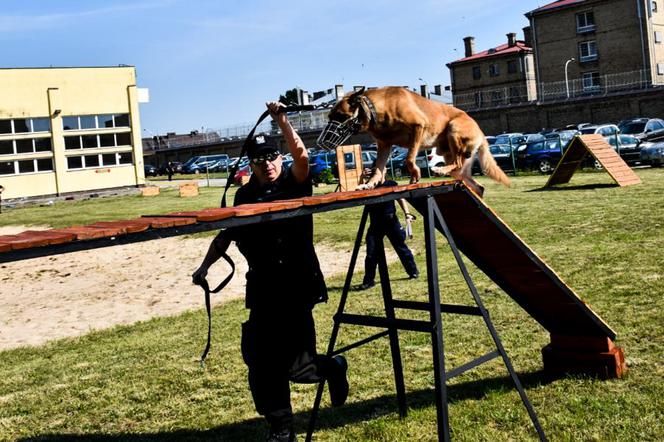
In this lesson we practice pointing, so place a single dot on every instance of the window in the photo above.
(515, 94)
(109, 159)
(41, 125)
(104, 121)
(21, 126)
(89, 141)
(92, 161)
(477, 73)
(123, 139)
(72, 142)
(660, 68)
(125, 158)
(74, 162)
(43, 145)
(70, 123)
(587, 51)
(478, 99)
(590, 81)
(512, 67)
(658, 37)
(5, 126)
(24, 146)
(494, 70)
(585, 22)
(6, 147)
(26, 166)
(45, 164)
(7, 168)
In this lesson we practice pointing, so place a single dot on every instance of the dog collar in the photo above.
(372, 109)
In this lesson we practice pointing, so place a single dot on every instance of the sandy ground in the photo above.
(69, 295)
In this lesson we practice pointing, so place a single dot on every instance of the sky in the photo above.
(212, 64)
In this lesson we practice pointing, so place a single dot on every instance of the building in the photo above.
(495, 77)
(585, 47)
(67, 130)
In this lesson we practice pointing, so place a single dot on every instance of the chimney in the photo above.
(528, 36)
(338, 91)
(511, 39)
(357, 88)
(304, 97)
(424, 90)
(469, 43)
(437, 89)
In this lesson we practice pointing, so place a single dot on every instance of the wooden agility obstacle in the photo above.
(581, 342)
(595, 145)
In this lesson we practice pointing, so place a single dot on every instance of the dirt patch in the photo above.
(71, 294)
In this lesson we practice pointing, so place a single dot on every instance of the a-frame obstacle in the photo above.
(580, 341)
(595, 145)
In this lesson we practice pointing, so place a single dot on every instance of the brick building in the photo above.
(498, 76)
(615, 45)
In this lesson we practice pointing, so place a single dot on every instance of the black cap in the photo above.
(260, 146)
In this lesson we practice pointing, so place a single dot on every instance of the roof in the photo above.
(555, 5)
(497, 51)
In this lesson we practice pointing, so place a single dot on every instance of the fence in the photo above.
(592, 84)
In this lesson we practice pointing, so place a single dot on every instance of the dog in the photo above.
(396, 116)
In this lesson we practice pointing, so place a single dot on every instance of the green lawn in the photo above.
(142, 382)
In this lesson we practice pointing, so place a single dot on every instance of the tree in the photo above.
(292, 97)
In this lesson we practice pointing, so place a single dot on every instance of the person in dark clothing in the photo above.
(284, 282)
(385, 222)
(170, 170)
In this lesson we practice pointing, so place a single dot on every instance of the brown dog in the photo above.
(396, 116)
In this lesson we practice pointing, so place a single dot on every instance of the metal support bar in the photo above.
(377, 321)
(360, 343)
(445, 308)
(472, 364)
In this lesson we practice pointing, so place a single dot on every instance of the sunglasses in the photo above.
(264, 158)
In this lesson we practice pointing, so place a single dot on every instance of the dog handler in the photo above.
(284, 282)
(385, 222)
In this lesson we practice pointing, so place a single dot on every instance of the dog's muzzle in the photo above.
(335, 133)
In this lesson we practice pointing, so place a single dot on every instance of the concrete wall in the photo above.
(534, 117)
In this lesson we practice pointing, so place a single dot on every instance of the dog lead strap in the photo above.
(245, 145)
(206, 288)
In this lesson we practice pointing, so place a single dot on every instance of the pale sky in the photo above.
(213, 64)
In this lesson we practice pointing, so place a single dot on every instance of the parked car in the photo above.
(397, 164)
(244, 171)
(565, 136)
(539, 155)
(490, 139)
(652, 153)
(627, 146)
(202, 163)
(149, 170)
(602, 129)
(319, 162)
(643, 128)
(513, 138)
(501, 153)
(434, 159)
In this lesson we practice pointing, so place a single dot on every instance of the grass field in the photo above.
(142, 382)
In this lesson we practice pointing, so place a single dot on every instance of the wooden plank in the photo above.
(87, 232)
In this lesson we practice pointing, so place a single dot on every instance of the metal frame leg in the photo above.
(488, 323)
(337, 324)
(440, 375)
(393, 332)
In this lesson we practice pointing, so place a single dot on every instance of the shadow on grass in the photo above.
(579, 187)
(328, 418)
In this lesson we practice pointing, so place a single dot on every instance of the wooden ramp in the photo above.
(602, 151)
(580, 340)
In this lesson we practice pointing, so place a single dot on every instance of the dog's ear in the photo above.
(354, 98)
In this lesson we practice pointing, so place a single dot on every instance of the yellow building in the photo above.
(65, 130)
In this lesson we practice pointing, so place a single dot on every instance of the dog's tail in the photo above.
(488, 163)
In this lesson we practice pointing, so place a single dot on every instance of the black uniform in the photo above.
(284, 282)
(385, 222)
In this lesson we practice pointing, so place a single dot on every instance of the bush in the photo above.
(325, 177)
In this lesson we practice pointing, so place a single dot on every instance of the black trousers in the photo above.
(279, 346)
(378, 229)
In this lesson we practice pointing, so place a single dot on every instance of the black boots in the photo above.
(338, 382)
